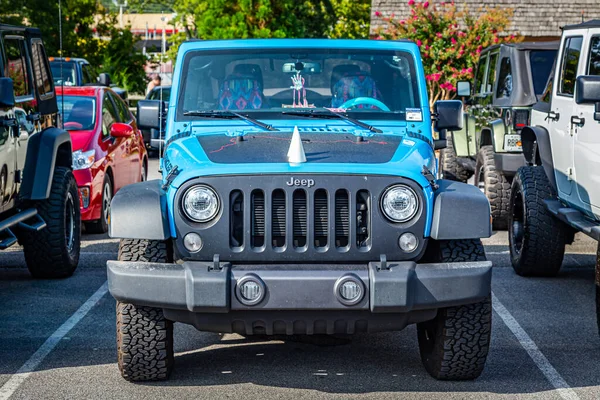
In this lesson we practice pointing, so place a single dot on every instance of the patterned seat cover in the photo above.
(241, 92)
(353, 85)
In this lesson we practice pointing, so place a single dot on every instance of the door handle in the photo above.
(554, 116)
(575, 120)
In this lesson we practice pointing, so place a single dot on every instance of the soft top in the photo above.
(553, 45)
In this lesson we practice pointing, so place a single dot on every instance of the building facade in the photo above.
(533, 19)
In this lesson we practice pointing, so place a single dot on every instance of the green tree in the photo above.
(450, 41)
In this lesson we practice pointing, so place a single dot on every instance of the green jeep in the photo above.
(508, 81)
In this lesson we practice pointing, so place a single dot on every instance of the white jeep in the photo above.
(558, 192)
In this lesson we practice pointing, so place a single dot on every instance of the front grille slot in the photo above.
(278, 219)
(321, 220)
(362, 218)
(299, 213)
(258, 219)
(236, 219)
(342, 218)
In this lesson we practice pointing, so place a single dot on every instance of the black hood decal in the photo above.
(325, 147)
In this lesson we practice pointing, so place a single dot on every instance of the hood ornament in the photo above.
(295, 154)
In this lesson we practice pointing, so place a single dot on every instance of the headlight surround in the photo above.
(83, 159)
(200, 203)
(399, 203)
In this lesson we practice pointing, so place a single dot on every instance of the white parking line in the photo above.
(551, 374)
(30, 365)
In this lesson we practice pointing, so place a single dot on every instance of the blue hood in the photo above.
(329, 149)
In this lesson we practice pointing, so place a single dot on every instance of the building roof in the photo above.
(532, 18)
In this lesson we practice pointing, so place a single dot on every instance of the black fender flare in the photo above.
(487, 138)
(537, 150)
(460, 211)
(45, 151)
(139, 211)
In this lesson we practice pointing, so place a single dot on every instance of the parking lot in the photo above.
(57, 341)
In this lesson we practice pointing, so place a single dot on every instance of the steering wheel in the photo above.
(369, 101)
(73, 125)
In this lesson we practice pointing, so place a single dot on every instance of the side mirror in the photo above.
(463, 88)
(151, 114)
(7, 94)
(120, 130)
(104, 79)
(449, 115)
(587, 91)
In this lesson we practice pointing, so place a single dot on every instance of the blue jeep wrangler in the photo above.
(299, 197)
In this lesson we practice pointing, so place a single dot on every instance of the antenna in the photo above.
(62, 77)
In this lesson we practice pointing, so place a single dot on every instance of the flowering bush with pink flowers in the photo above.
(450, 40)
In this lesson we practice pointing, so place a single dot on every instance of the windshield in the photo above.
(155, 94)
(541, 63)
(80, 112)
(267, 83)
(68, 73)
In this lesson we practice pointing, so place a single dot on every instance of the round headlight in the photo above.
(200, 203)
(399, 203)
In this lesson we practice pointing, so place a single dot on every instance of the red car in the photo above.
(108, 149)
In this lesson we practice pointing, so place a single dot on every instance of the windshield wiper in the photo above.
(326, 113)
(228, 114)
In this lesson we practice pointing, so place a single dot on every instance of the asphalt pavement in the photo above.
(57, 341)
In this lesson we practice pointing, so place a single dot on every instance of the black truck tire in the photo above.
(449, 165)
(536, 238)
(495, 186)
(101, 225)
(53, 252)
(144, 335)
(455, 344)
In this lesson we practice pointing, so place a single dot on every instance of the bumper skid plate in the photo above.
(399, 287)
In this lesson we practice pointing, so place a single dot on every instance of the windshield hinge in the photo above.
(429, 176)
(172, 174)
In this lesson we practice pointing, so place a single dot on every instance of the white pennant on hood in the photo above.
(295, 154)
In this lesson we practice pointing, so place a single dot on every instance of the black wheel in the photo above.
(144, 336)
(101, 225)
(598, 307)
(455, 344)
(449, 165)
(53, 252)
(495, 186)
(536, 239)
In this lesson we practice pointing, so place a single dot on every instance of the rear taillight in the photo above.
(520, 119)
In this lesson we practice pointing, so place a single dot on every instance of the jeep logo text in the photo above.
(300, 182)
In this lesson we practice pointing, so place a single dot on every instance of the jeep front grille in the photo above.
(326, 223)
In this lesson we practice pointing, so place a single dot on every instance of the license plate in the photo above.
(512, 143)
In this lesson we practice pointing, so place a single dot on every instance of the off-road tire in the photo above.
(144, 336)
(536, 238)
(53, 252)
(455, 344)
(449, 165)
(495, 186)
(101, 225)
(598, 307)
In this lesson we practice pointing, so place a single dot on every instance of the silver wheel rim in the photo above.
(69, 222)
(106, 198)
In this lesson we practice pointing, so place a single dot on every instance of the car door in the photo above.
(132, 148)
(560, 127)
(587, 135)
(18, 68)
(114, 147)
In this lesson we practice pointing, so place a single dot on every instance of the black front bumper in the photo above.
(299, 296)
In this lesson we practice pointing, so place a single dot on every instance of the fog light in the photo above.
(349, 290)
(84, 196)
(408, 242)
(250, 290)
(192, 242)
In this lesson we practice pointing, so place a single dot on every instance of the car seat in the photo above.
(352, 85)
(243, 89)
